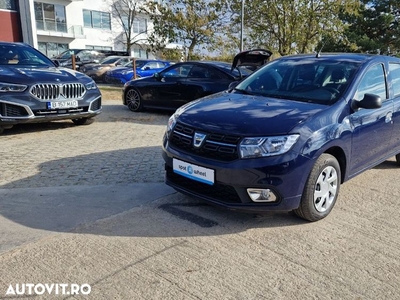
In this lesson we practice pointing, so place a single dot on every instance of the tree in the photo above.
(294, 26)
(190, 22)
(128, 14)
(376, 28)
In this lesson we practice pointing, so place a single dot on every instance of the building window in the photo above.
(8, 4)
(50, 17)
(52, 49)
(96, 19)
(138, 25)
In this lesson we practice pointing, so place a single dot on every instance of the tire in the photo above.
(133, 100)
(321, 189)
(398, 159)
(83, 121)
(1, 130)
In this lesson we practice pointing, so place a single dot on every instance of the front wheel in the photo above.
(321, 189)
(133, 100)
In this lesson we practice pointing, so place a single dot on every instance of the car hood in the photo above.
(251, 58)
(246, 115)
(26, 75)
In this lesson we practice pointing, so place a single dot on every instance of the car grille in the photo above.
(216, 146)
(55, 91)
(219, 192)
(10, 110)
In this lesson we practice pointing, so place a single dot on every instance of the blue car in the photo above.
(286, 137)
(144, 68)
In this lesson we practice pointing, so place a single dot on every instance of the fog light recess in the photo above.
(262, 195)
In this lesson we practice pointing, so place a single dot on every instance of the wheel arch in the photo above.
(340, 156)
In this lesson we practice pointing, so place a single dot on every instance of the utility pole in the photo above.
(241, 26)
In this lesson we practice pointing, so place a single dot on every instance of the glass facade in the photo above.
(9, 4)
(96, 19)
(50, 17)
(52, 49)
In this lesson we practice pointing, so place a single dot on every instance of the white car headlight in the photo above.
(91, 85)
(266, 146)
(171, 123)
(9, 87)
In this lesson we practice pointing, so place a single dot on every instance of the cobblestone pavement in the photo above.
(119, 147)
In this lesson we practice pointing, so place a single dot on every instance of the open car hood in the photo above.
(253, 59)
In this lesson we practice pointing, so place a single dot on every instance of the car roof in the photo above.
(356, 57)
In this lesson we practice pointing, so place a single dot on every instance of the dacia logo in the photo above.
(199, 138)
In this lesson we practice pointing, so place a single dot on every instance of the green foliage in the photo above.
(189, 22)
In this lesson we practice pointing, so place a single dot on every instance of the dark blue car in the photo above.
(286, 137)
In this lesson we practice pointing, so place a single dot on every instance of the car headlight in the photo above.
(9, 87)
(171, 123)
(91, 85)
(266, 146)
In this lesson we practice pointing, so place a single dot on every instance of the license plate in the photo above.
(194, 172)
(62, 104)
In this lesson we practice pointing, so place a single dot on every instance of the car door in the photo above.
(394, 75)
(372, 128)
(170, 91)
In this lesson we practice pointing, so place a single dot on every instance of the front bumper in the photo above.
(284, 175)
(28, 110)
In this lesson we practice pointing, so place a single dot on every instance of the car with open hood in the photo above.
(286, 137)
(34, 89)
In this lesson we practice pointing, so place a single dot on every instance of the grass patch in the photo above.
(111, 93)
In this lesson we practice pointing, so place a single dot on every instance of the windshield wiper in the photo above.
(244, 91)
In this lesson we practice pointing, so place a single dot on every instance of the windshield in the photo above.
(109, 60)
(67, 54)
(21, 55)
(138, 63)
(313, 80)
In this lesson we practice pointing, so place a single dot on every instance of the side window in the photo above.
(177, 71)
(198, 72)
(373, 82)
(394, 70)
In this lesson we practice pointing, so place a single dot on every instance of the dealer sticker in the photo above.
(194, 172)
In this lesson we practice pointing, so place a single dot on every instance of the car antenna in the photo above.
(320, 50)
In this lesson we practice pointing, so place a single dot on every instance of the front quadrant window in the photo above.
(96, 19)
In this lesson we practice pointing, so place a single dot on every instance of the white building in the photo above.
(54, 26)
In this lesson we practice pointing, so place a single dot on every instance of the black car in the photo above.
(34, 89)
(179, 84)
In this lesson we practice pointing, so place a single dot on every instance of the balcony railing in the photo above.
(53, 28)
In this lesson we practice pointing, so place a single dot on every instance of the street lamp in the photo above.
(241, 27)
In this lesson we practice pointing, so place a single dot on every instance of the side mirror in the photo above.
(157, 76)
(370, 101)
(56, 62)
